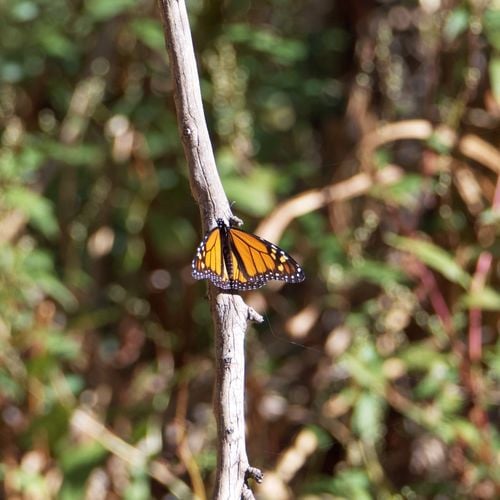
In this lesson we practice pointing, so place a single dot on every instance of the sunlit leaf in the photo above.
(37, 208)
(58, 291)
(25, 11)
(138, 488)
(486, 298)
(367, 417)
(149, 32)
(30, 482)
(458, 428)
(450, 399)
(432, 383)
(421, 356)
(62, 346)
(253, 193)
(489, 216)
(456, 23)
(433, 256)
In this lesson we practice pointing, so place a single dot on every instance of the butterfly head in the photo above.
(221, 224)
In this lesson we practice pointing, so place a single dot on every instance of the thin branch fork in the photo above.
(229, 312)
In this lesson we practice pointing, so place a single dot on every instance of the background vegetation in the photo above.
(375, 378)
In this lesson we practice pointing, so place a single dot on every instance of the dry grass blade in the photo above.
(85, 423)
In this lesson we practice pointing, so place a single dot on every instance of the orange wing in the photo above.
(260, 260)
(209, 261)
(236, 260)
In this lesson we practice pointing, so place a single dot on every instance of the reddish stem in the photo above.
(435, 296)
(475, 332)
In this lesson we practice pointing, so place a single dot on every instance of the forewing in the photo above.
(260, 261)
(208, 262)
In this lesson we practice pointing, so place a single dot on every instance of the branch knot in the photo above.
(254, 473)
(253, 315)
(187, 131)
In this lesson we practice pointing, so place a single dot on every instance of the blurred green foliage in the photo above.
(388, 351)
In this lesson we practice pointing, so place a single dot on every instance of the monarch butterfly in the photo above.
(236, 260)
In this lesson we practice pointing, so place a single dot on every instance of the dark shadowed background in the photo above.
(375, 378)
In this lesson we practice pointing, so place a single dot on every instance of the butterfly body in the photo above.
(236, 260)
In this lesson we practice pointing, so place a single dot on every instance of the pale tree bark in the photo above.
(230, 313)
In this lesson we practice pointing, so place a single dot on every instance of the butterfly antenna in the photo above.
(288, 341)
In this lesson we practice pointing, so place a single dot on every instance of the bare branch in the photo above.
(205, 182)
(275, 224)
(470, 146)
(229, 312)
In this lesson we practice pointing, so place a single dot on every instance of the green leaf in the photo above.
(25, 11)
(77, 462)
(104, 9)
(492, 357)
(22, 165)
(61, 345)
(75, 154)
(456, 24)
(149, 32)
(433, 382)
(283, 50)
(53, 422)
(11, 72)
(30, 482)
(37, 208)
(367, 374)
(55, 43)
(494, 71)
(86, 455)
(459, 429)
(486, 299)
(433, 256)
(440, 143)
(491, 24)
(405, 193)
(468, 432)
(348, 483)
(367, 417)
(421, 356)
(489, 216)
(450, 399)
(378, 272)
(253, 193)
(53, 287)
(138, 488)
(10, 387)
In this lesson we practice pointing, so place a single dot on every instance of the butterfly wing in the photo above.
(258, 261)
(236, 260)
(208, 262)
